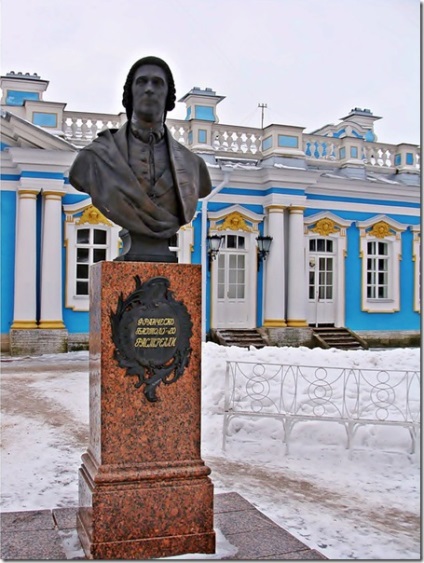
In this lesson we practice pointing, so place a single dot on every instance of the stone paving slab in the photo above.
(51, 534)
(40, 544)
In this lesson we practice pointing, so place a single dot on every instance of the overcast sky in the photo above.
(310, 61)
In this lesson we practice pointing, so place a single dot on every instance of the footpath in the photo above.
(245, 532)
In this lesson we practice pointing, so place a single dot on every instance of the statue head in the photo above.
(127, 98)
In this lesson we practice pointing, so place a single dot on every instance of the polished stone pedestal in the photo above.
(144, 491)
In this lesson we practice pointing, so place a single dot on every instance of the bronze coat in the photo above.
(101, 170)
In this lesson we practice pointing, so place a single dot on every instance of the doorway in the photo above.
(321, 282)
(234, 284)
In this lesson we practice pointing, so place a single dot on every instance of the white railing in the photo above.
(381, 155)
(237, 140)
(81, 128)
(352, 397)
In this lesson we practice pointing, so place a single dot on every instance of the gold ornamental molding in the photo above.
(28, 194)
(93, 216)
(300, 323)
(51, 325)
(274, 208)
(22, 325)
(235, 222)
(53, 195)
(325, 227)
(274, 323)
(381, 230)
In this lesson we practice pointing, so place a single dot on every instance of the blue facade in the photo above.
(7, 231)
(44, 119)
(17, 97)
(277, 182)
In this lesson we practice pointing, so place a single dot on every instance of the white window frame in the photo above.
(90, 247)
(83, 215)
(381, 229)
(416, 257)
(336, 233)
(379, 256)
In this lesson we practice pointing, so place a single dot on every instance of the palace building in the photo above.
(313, 230)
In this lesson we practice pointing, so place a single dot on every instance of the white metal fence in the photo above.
(348, 396)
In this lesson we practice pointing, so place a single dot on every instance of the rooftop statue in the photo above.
(139, 176)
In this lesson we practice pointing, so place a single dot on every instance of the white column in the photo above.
(185, 244)
(296, 294)
(25, 296)
(275, 285)
(51, 315)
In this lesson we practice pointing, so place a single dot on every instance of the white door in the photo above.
(321, 288)
(232, 284)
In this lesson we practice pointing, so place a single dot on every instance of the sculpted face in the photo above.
(149, 90)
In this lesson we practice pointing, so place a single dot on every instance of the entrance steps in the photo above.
(338, 337)
(244, 338)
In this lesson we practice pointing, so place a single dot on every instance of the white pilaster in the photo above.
(185, 244)
(51, 315)
(275, 290)
(25, 297)
(296, 296)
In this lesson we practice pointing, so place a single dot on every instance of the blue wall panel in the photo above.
(7, 257)
(76, 321)
(44, 119)
(333, 198)
(38, 244)
(18, 97)
(73, 198)
(356, 319)
(352, 277)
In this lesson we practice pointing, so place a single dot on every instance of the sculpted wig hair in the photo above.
(127, 99)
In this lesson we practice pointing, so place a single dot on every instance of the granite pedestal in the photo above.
(144, 491)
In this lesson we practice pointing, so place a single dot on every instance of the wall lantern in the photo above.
(264, 244)
(214, 244)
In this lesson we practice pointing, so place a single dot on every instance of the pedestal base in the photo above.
(149, 548)
(144, 514)
(144, 491)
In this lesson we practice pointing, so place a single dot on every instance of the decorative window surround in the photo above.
(234, 218)
(381, 229)
(235, 223)
(416, 256)
(83, 215)
(327, 224)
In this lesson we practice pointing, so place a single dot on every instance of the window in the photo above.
(380, 244)
(231, 276)
(236, 276)
(377, 270)
(321, 269)
(89, 238)
(91, 247)
(416, 256)
(232, 268)
(221, 276)
(234, 241)
(321, 245)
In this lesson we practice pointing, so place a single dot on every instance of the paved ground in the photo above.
(51, 534)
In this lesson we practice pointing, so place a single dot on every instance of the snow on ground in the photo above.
(357, 504)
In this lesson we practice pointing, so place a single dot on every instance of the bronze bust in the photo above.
(139, 176)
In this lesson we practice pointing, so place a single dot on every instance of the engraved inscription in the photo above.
(151, 332)
(163, 329)
(155, 342)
